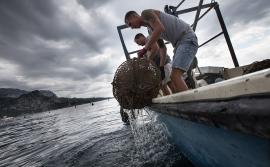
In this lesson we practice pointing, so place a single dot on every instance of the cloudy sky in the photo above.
(72, 47)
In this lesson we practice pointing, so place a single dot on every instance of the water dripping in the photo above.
(150, 141)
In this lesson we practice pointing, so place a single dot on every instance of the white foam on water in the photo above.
(151, 142)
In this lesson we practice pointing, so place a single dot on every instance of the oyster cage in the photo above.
(136, 82)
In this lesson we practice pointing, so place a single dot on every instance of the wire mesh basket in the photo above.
(136, 82)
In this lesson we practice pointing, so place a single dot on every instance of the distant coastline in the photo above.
(15, 102)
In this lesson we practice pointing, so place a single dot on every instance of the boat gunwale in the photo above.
(253, 83)
(248, 114)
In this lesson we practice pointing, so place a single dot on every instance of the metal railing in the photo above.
(173, 10)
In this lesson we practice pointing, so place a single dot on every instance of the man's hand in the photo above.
(142, 52)
(162, 72)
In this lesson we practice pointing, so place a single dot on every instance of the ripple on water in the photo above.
(84, 136)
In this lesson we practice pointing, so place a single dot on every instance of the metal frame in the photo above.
(173, 10)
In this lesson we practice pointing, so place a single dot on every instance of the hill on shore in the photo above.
(14, 102)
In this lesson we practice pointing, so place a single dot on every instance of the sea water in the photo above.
(88, 135)
(152, 147)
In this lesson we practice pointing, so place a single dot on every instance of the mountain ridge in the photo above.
(14, 102)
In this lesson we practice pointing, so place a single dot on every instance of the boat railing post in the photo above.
(172, 9)
(122, 40)
(197, 15)
(226, 35)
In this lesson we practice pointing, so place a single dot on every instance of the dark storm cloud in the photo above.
(11, 83)
(19, 19)
(91, 4)
(246, 11)
(27, 25)
(25, 19)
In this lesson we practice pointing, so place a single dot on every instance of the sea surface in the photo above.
(86, 135)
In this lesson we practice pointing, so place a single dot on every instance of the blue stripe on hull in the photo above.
(208, 146)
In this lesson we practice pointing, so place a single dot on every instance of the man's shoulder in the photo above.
(146, 11)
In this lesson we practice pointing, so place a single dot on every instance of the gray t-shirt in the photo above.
(176, 29)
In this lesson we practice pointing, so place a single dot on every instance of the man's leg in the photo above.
(178, 81)
(171, 86)
(182, 59)
(165, 90)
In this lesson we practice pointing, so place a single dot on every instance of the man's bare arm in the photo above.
(151, 18)
(153, 51)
